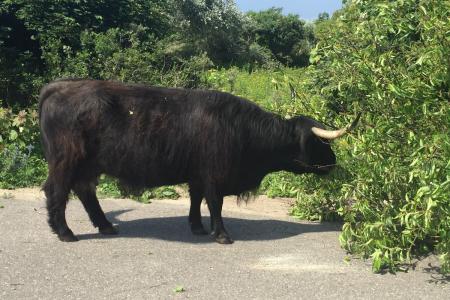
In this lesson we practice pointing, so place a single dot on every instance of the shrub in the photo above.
(21, 164)
(391, 61)
(19, 168)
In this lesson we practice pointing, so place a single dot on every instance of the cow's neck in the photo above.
(272, 142)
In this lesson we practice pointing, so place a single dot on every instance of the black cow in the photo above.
(218, 143)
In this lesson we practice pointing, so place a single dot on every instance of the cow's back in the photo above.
(143, 135)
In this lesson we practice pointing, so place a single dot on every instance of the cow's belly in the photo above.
(243, 182)
(145, 174)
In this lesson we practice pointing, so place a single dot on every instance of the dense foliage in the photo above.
(158, 42)
(387, 59)
(287, 37)
(391, 61)
(21, 164)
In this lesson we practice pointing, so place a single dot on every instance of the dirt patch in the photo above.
(297, 263)
(260, 205)
(29, 194)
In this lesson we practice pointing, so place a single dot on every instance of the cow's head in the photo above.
(315, 154)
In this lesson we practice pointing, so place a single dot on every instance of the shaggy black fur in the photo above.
(218, 143)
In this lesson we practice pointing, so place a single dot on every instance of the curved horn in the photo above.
(334, 134)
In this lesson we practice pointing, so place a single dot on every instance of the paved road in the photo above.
(273, 257)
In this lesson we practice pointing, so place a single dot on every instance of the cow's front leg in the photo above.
(215, 203)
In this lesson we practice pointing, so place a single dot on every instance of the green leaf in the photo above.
(420, 60)
(423, 9)
(168, 193)
(13, 135)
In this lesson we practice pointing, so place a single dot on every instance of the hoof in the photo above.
(109, 230)
(67, 237)
(224, 240)
(198, 230)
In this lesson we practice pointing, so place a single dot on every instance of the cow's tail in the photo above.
(45, 93)
(61, 145)
(44, 140)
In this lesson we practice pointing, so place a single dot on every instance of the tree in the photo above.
(216, 27)
(323, 16)
(286, 36)
(39, 36)
(20, 62)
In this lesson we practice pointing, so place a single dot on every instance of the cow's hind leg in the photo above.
(56, 190)
(195, 217)
(86, 193)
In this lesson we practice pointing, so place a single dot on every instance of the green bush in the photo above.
(280, 90)
(161, 42)
(287, 37)
(21, 128)
(21, 164)
(391, 61)
(124, 55)
(20, 169)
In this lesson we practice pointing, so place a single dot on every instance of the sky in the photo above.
(306, 9)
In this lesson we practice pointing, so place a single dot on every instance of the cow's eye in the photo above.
(324, 141)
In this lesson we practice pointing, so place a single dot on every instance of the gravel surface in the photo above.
(156, 257)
